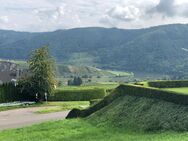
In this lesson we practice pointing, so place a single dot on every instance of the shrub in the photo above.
(77, 95)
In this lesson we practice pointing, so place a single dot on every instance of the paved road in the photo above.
(26, 116)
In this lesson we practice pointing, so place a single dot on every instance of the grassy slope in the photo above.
(80, 130)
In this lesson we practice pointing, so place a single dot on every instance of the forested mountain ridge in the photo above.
(161, 49)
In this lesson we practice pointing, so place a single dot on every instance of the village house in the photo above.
(9, 71)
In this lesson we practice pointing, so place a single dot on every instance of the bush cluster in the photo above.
(78, 95)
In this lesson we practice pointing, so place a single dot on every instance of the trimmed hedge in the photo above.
(78, 95)
(8, 93)
(156, 93)
(168, 84)
(133, 90)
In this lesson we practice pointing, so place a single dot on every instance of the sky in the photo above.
(50, 15)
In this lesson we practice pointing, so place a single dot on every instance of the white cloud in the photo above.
(4, 19)
(171, 8)
(166, 7)
(45, 15)
(50, 14)
(126, 13)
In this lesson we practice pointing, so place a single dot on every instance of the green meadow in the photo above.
(81, 130)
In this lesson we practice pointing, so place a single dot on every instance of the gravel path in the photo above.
(23, 117)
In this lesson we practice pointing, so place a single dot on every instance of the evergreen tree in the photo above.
(42, 69)
(70, 82)
(77, 81)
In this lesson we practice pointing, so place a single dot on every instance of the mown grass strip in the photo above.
(80, 130)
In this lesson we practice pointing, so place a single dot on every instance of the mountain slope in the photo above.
(161, 49)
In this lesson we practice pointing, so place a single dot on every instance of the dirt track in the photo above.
(26, 116)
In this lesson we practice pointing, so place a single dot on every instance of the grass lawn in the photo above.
(10, 108)
(62, 106)
(81, 130)
(21, 106)
(99, 86)
(53, 106)
(183, 90)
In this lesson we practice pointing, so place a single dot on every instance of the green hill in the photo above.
(161, 49)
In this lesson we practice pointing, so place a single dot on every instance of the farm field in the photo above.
(183, 90)
(81, 130)
(120, 73)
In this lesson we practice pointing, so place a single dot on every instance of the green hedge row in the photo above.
(156, 93)
(168, 84)
(78, 95)
(8, 93)
(132, 90)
